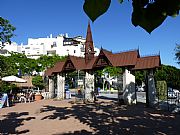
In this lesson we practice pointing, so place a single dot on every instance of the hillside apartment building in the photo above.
(61, 45)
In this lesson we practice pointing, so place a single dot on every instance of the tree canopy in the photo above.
(17, 64)
(12, 64)
(177, 53)
(148, 14)
(169, 74)
(37, 81)
(6, 30)
(112, 71)
(48, 61)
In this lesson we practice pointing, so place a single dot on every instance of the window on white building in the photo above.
(54, 44)
(74, 51)
(51, 52)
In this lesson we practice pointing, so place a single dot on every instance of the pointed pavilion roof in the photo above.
(89, 47)
(105, 58)
(89, 39)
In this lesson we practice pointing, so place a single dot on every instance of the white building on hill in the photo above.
(61, 45)
(7, 47)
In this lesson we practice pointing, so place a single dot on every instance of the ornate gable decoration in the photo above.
(69, 65)
(102, 60)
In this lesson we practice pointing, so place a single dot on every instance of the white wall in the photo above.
(44, 46)
(11, 47)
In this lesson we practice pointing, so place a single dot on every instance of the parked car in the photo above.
(171, 93)
(176, 91)
(66, 87)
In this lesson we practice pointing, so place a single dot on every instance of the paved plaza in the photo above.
(104, 117)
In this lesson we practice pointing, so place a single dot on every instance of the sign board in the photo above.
(80, 82)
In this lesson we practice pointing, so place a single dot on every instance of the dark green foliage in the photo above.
(6, 30)
(37, 81)
(149, 17)
(10, 65)
(148, 14)
(166, 73)
(95, 8)
(139, 77)
(3, 66)
(113, 71)
(99, 73)
(18, 61)
(177, 53)
(48, 61)
(170, 74)
(6, 87)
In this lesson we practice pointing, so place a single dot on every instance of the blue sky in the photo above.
(113, 31)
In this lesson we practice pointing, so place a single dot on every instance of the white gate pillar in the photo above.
(129, 94)
(151, 88)
(60, 86)
(89, 86)
(51, 88)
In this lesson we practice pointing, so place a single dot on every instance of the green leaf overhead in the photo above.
(151, 14)
(95, 8)
(6, 30)
(177, 53)
(148, 20)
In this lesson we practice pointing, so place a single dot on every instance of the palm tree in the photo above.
(177, 53)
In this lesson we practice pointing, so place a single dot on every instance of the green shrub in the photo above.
(162, 90)
(37, 81)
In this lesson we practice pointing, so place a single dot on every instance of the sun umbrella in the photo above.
(13, 79)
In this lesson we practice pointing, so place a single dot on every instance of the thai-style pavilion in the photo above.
(129, 61)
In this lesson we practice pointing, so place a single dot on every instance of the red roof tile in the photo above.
(78, 62)
(130, 58)
(149, 62)
(122, 59)
(48, 72)
(58, 67)
(91, 63)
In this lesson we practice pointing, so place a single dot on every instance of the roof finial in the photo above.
(89, 48)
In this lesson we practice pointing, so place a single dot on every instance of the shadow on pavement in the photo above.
(108, 98)
(110, 118)
(13, 120)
